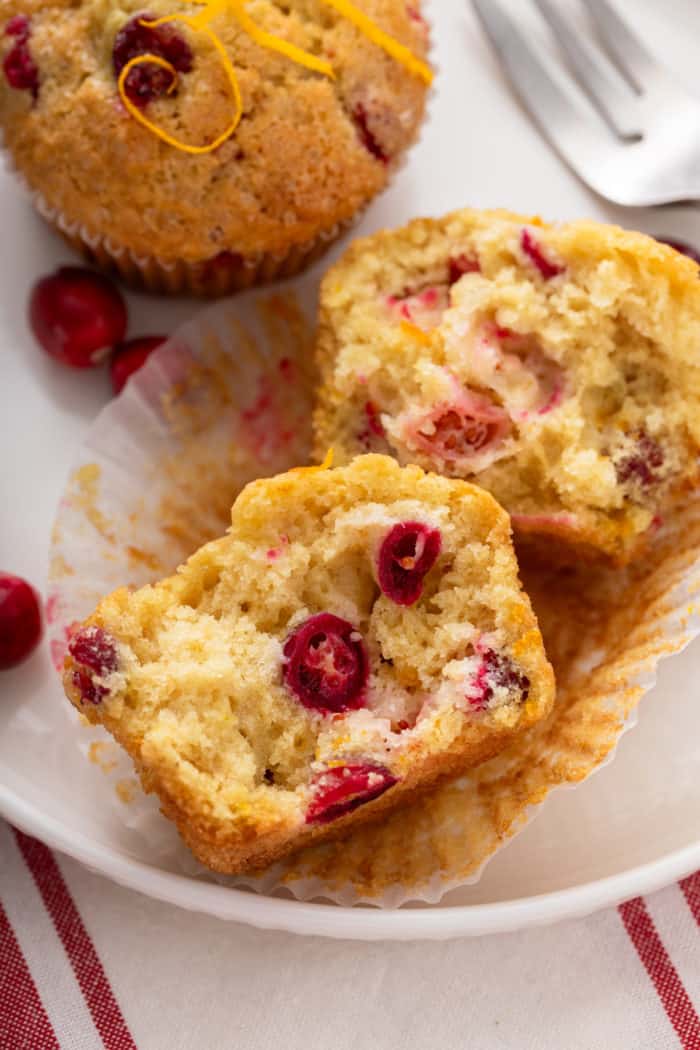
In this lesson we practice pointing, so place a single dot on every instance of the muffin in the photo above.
(132, 139)
(357, 635)
(556, 365)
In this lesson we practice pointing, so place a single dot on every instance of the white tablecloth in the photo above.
(86, 964)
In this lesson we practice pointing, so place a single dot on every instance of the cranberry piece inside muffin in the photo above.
(344, 788)
(458, 265)
(497, 673)
(19, 67)
(643, 465)
(406, 556)
(326, 664)
(147, 82)
(367, 136)
(20, 620)
(96, 654)
(455, 432)
(535, 253)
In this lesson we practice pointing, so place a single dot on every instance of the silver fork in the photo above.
(646, 148)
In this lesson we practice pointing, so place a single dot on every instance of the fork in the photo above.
(642, 147)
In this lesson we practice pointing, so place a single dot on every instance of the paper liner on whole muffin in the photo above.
(228, 400)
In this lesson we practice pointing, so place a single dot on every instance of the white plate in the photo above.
(634, 827)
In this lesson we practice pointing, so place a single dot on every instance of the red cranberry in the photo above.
(497, 671)
(19, 67)
(20, 620)
(456, 432)
(145, 81)
(458, 265)
(643, 465)
(533, 249)
(344, 788)
(326, 664)
(128, 357)
(406, 556)
(77, 315)
(95, 653)
(682, 247)
(367, 136)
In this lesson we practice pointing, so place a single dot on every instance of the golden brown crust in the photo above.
(296, 166)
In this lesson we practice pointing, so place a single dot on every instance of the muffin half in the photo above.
(557, 366)
(357, 635)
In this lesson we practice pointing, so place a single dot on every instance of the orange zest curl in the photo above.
(199, 23)
(198, 27)
(371, 30)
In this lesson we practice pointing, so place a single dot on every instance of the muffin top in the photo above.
(320, 129)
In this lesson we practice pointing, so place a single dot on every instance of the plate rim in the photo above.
(360, 922)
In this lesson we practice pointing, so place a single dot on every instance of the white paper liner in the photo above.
(227, 400)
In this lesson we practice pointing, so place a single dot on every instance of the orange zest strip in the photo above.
(275, 43)
(136, 113)
(392, 47)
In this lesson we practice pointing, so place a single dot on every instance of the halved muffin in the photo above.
(358, 634)
(557, 366)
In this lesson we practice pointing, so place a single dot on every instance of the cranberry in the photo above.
(682, 247)
(458, 265)
(128, 357)
(20, 620)
(326, 664)
(95, 654)
(145, 82)
(460, 430)
(367, 136)
(77, 315)
(497, 671)
(642, 465)
(406, 556)
(19, 67)
(344, 788)
(373, 421)
(533, 249)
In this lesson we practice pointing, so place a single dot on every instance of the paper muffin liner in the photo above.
(227, 400)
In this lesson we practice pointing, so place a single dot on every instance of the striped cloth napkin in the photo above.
(85, 964)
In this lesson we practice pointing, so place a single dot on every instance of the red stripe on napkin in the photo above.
(691, 892)
(23, 1020)
(76, 941)
(657, 962)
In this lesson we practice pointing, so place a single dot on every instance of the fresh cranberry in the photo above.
(326, 664)
(344, 788)
(497, 672)
(406, 556)
(95, 653)
(20, 620)
(643, 464)
(145, 82)
(460, 430)
(128, 357)
(367, 136)
(19, 67)
(533, 249)
(682, 247)
(458, 265)
(77, 315)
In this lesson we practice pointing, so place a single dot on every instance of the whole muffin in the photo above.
(555, 365)
(357, 635)
(321, 126)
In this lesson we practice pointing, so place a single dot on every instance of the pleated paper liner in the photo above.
(228, 400)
